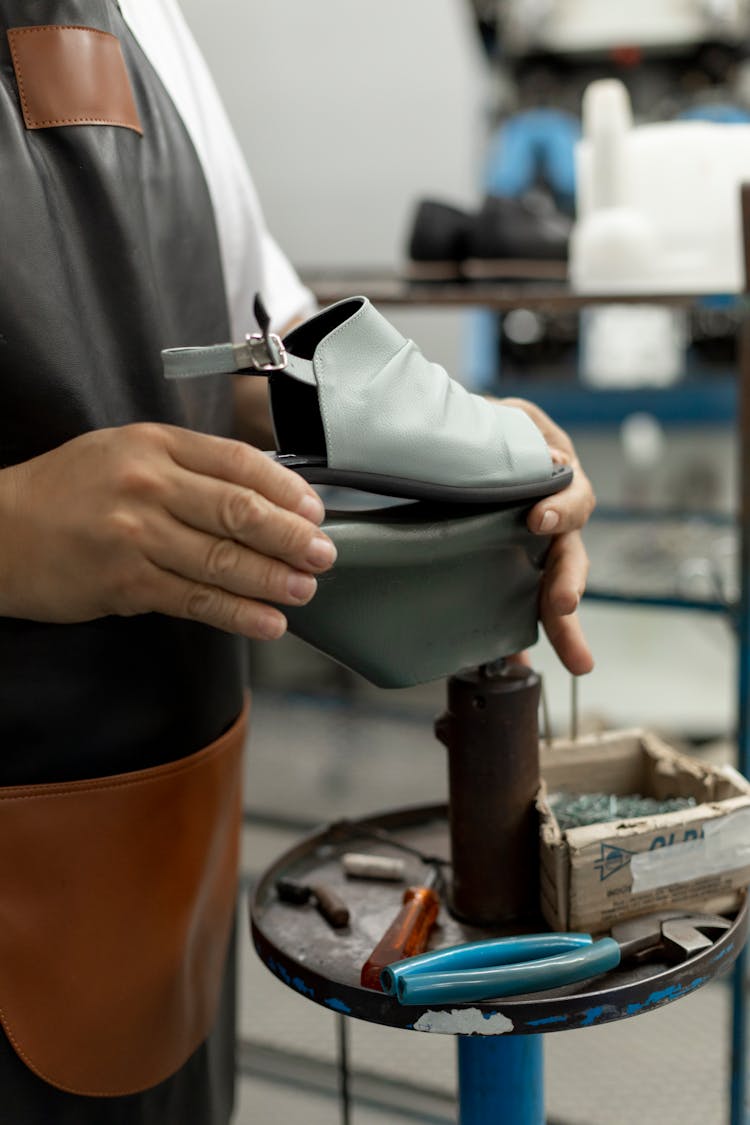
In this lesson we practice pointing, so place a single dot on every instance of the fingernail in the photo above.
(312, 508)
(321, 552)
(301, 587)
(550, 520)
(272, 626)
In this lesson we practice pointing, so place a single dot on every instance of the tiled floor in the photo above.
(314, 761)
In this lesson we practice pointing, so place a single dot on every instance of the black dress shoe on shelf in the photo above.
(512, 238)
(439, 241)
(509, 238)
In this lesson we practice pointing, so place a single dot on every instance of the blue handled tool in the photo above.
(512, 966)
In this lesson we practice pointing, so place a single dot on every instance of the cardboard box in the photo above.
(596, 875)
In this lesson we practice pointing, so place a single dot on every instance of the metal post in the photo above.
(491, 732)
(500, 1080)
(342, 1044)
(739, 1112)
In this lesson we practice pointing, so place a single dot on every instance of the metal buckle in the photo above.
(267, 353)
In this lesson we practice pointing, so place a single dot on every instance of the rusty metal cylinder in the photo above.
(491, 732)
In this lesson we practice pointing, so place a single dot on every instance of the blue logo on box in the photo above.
(611, 860)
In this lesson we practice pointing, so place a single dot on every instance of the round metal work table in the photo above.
(324, 964)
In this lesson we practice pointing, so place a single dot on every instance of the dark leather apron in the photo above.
(108, 253)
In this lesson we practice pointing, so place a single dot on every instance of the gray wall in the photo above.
(349, 111)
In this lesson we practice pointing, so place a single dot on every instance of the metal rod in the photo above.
(342, 1037)
(738, 1110)
(546, 718)
(574, 708)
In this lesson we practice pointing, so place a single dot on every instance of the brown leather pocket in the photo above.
(116, 906)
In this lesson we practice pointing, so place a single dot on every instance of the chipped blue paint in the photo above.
(548, 1020)
(279, 970)
(490, 1015)
(591, 1015)
(674, 992)
(722, 953)
(305, 989)
(337, 1005)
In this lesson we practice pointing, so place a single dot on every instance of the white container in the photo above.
(575, 26)
(636, 345)
(658, 206)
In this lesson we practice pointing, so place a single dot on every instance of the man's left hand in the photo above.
(566, 569)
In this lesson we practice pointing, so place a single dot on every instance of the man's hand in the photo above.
(566, 569)
(152, 518)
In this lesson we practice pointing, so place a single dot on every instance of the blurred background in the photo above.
(349, 114)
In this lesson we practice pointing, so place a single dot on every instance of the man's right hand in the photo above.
(152, 518)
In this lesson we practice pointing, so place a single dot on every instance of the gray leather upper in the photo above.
(387, 409)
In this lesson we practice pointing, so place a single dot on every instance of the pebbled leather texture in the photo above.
(387, 409)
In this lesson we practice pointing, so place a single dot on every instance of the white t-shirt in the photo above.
(251, 259)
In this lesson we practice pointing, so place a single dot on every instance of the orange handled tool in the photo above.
(407, 934)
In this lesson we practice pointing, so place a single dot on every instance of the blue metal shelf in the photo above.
(664, 559)
(657, 601)
(709, 401)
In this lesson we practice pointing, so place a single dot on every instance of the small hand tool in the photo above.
(532, 963)
(363, 865)
(345, 829)
(409, 931)
(329, 905)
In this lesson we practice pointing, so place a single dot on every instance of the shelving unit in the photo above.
(709, 400)
(665, 560)
(714, 400)
(725, 399)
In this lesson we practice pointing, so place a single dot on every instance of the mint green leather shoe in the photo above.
(355, 404)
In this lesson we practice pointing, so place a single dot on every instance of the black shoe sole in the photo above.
(316, 471)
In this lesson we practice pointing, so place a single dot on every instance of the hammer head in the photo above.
(289, 890)
(680, 934)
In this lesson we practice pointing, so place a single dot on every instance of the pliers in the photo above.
(485, 970)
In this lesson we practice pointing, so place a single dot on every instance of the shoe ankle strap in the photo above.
(246, 358)
(260, 353)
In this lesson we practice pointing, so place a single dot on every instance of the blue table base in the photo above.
(500, 1080)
